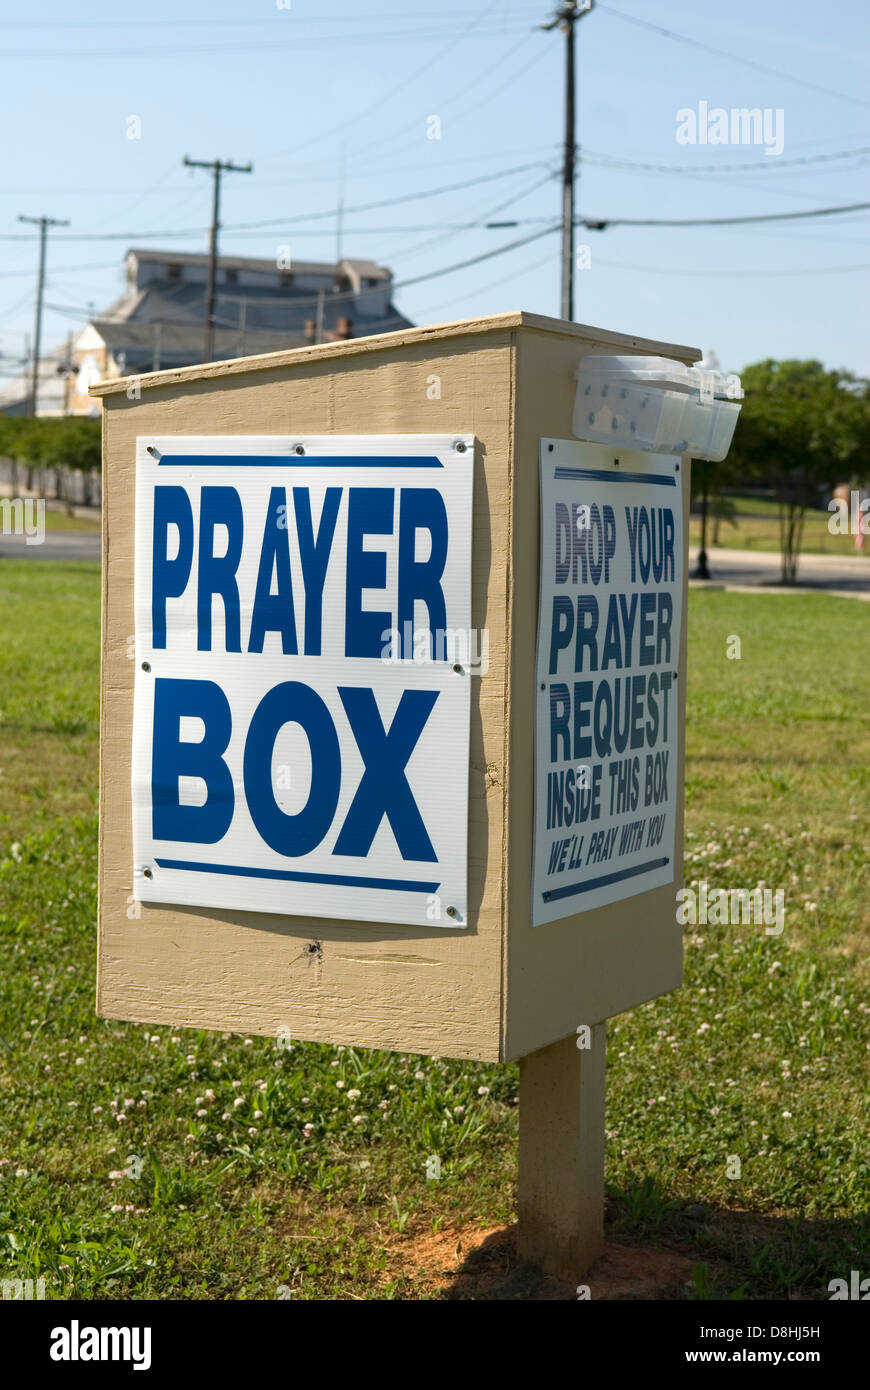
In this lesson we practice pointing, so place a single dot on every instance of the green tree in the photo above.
(70, 444)
(803, 428)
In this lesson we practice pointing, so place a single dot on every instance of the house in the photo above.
(159, 320)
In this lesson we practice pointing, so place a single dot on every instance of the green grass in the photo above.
(49, 697)
(756, 527)
(762, 1054)
(62, 521)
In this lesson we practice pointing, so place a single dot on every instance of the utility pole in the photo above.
(321, 305)
(709, 362)
(217, 167)
(339, 216)
(565, 18)
(43, 223)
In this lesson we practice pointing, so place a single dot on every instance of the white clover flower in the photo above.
(358, 1119)
(354, 1094)
(239, 1100)
(483, 1090)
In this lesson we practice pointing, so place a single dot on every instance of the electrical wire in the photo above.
(481, 219)
(733, 57)
(139, 51)
(485, 97)
(728, 274)
(399, 87)
(609, 161)
(600, 224)
(284, 222)
(491, 285)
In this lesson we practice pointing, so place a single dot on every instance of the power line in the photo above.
(485, 96)
(481, 221)
(736, 274)
(300, 172)
(476, 260)
(211, 23)
(601, 224)
(399, 87)
(61, 269)
(303, 217)
(492, 284)
(139, 51)
(617, 162)
(734, 57)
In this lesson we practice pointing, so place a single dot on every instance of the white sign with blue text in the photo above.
(302, 693)
(606, 708)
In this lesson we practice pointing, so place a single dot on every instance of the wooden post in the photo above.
(561, 1157)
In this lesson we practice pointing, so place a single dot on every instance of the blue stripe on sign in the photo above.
(341, 880)
(570, 889)
(299, 461)
(603, 475)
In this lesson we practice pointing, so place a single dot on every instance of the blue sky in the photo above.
(312, 89)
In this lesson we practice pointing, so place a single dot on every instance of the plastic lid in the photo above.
(661, 371)
(666, 373)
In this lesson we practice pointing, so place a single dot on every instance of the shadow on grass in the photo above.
(659, 1249)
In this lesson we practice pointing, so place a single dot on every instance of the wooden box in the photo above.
(500, 988)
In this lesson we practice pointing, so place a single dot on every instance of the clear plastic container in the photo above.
(655, 404)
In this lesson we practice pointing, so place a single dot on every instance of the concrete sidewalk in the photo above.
(755, 571)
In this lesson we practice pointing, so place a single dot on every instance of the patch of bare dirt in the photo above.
(470, 1262)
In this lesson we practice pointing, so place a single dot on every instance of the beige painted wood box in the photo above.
(500, 988)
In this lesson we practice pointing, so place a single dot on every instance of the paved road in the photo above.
(745, 569)
(753, 569)
(57, 545)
